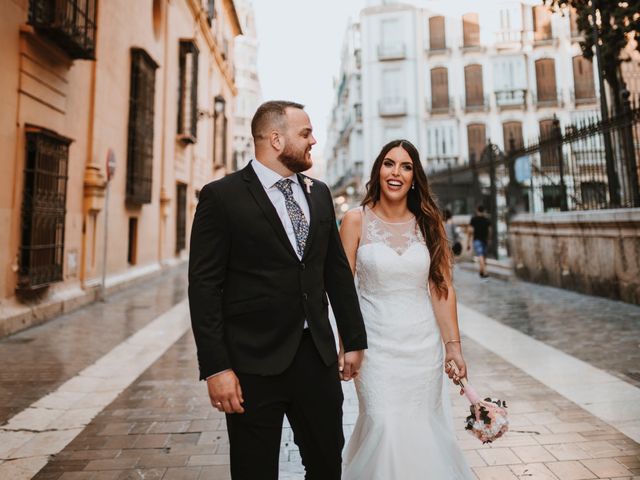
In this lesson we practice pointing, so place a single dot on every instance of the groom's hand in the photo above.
(225, 392)
(351, 365)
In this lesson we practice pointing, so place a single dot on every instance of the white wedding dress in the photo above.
(404, 429)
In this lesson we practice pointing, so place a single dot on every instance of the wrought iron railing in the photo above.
(43, 209)
(141, 123)
(71, 24)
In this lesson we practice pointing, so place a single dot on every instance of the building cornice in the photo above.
(201, 18)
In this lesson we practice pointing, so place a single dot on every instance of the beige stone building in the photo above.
(146, 84)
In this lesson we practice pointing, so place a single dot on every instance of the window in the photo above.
(548, 153)
(437, 40)
(541, 23)
(140, 136)
(512, 136)
(585, 89)
(211, 11)
(132, 246)
(476, 141)
(43, 209)
(181, 216)
(546, 81)
(188, 92)
(470, 30)
(552, 198)
(474, 90)
(439, 88)
(71, 24)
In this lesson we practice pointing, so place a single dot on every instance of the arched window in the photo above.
(474, 93)
(546, 81)
(439, 88)
(470, 30)
(583, 83)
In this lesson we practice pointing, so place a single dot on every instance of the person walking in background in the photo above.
(265, 254)
(480, 230)
(452, 232)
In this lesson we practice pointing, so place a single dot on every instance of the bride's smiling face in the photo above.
(396, 174)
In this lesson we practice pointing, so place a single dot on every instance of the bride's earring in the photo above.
(413, 186)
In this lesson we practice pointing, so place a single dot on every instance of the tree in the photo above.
(618, 23)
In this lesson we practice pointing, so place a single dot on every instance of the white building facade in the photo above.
(248, 83)
(450, 76)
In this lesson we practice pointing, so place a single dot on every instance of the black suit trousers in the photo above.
(310, 395)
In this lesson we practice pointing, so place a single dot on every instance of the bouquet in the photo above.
(488, 420)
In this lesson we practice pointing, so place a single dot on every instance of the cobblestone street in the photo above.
(161, 425)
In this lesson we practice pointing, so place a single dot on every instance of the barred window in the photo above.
(140, 141)
(181, 217)
(188, 92)
(71, 24)
(43, 209)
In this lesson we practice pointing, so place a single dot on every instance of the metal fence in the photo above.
(593, 164)
(587, 166)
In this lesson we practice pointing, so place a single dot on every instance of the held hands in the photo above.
(453, 351)
(349, 364)
(225, 392)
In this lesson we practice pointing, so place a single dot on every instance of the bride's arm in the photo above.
(350, 235)
(446, 313)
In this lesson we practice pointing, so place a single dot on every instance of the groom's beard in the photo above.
(295, 160)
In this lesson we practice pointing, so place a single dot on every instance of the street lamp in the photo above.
(219, 105)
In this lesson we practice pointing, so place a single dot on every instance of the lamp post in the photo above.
(612, 177)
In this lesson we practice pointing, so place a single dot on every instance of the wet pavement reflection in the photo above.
(602, 332)
(59, 349)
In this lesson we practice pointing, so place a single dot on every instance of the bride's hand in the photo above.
(453, 351)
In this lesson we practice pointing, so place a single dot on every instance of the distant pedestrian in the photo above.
(480, 231)
(452, 232)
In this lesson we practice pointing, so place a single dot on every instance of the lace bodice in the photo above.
(397, 236)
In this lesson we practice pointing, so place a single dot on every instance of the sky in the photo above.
(299, 53)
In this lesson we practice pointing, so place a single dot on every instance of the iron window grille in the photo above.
(181, 217)
(43, 209)
(71, 24)
(140, 137)
(188, 92)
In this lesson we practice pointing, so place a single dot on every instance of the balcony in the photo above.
(480, 104)
(68, 23)
(440, 107)
(511, 99)
(508, 39)
(392, 107)
(589, 99)
(392, 52)
(548, 101)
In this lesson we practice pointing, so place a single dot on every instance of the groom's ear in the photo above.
(277, 140)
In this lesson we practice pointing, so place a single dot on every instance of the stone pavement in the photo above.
(162, 426)
(602, 332)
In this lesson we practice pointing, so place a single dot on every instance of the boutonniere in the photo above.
(309, 183)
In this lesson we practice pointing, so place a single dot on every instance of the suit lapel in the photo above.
(313, 211)
(264, 203)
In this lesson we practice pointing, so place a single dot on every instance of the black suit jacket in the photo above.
(249, 293)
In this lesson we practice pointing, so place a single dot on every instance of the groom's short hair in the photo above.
(270, 114)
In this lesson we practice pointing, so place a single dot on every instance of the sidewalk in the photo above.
(163, 427)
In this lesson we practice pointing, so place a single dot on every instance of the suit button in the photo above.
(302, 266)
(305, 296)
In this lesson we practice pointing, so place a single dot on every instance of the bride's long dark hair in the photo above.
(422, 204)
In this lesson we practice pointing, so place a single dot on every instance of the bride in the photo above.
(398, 250)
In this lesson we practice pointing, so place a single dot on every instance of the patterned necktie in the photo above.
(300, 225)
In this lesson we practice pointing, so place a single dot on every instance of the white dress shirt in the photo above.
(268, 178)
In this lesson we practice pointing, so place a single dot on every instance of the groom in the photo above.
(265, 253)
